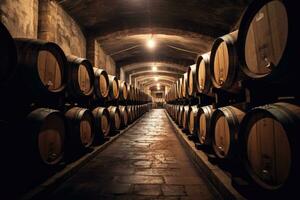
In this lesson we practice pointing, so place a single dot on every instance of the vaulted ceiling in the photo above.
(182, 30)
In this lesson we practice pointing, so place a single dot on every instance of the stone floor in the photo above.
(147, 162)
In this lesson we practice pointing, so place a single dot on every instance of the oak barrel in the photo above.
(192, 83)
(184, 89)
(204, 124)
(124, 116)
(224, 67)
(192, 122)
(8, 56)
(178, 88)
(102, 123)
(101, 83)
(115, 118)
(130, 117)
(269, 141)
(47, 130)
(179, 115)
(184, 119)
(123, 88)
(81, 129)
(113, 87)
(225, 124)
(80, 77)
(203, 77)
(266, 41)
(43, 66)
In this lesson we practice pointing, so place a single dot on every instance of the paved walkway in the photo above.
(147, 162)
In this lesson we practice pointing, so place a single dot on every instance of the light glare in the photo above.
(151, 43)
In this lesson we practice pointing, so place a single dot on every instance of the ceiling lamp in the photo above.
(154, 68)
(151, 43)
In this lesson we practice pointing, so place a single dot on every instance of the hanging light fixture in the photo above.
(154, 68)
(151, 43)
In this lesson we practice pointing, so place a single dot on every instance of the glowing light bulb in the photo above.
(154, 68)
(156, 78)
(151, 43)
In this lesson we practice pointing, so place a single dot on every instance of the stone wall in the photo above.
(20, 17)
(99, 58)
(57, 26)
(45, 19)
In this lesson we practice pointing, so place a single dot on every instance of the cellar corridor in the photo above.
(146, 162)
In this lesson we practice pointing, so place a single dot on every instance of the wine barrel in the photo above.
(102, 123)
(47, 132)
(192, 83)
(173, 111)
(266, 41)
(123, 88)
(184, 119)
(81, 131)
(178, 88)
(177, 107)
(124, 116)
(184, 92)
(80, 77)
(203, 77)
(130, 117)
(193, 123)
(224, 67)
(8, 56)
(131, 92)
(269, 137)
(134, 111)
(43, 66)
(101, 84)
(204, 122)
(225, 126)
(179, 115)
(115, 118)
(113, 87)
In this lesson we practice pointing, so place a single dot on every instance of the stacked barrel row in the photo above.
(57, 106)
(261, 138)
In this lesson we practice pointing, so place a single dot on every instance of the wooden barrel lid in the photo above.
(125, 92)
(202, 128)
(266, 39)
(125, 116)
(84, 79)
(222, 137)
(184, 85)
(202, 75)
(269, 151)
(51, 139)
(115, 89)
(191, 79)
(105, 125)
(103, 85)
(117, 120)
(86, 131)
(191, 122)
(221, 64)
(50, 72)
